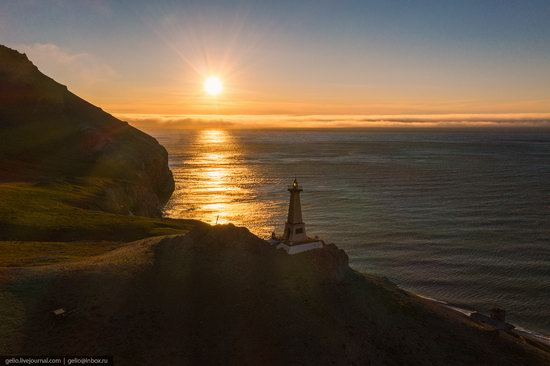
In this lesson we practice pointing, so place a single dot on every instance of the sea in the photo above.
(462, 216)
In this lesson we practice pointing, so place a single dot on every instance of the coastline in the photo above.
(401, 204)
(517, 330)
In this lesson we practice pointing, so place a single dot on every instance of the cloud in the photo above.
(65, 66)
(176, 122)
(159, 121)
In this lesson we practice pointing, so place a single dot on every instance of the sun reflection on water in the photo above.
(213, 136)
(214, 183)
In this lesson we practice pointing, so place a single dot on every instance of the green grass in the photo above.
(27, 253)
(45, 223)
(50, 212)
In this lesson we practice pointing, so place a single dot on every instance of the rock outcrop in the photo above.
(48, 132)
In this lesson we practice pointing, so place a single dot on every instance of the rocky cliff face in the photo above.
(48, 132)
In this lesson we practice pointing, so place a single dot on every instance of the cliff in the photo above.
(50, 133)
(221, 296)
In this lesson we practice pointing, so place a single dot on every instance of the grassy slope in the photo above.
(45, 222)
(40, 253)
(46, 128)
(51, 212)
(221, 296)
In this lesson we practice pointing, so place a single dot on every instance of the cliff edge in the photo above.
(50, 133)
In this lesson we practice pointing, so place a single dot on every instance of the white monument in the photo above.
(294, 239)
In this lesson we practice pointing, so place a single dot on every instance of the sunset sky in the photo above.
(371, 57)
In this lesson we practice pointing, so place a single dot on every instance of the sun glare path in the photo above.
(214, 137)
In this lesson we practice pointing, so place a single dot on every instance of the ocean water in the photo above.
(459, 216)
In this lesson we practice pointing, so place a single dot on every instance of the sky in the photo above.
(456, 58)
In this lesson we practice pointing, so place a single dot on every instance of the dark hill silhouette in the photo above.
(221, 296)
(48, 132)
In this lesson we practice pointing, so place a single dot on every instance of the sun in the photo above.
(213, 86)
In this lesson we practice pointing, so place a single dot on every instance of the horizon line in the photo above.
(335, 121)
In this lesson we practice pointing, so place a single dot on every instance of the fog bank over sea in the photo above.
(151, 122)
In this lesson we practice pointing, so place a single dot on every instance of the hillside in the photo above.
(48, 133)
(74, 181)
(219, 295)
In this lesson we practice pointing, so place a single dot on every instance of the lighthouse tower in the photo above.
(295, 229)
(294, 240)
